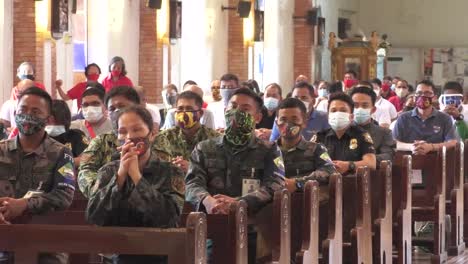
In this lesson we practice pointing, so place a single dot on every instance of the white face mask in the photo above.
(54, 131)
(92, 114)
(307, 104)
(338, 120)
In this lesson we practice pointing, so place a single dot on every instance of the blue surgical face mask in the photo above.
(226, 94)
(271, 103)
(322, 92)
(338, 120)
(361, 115)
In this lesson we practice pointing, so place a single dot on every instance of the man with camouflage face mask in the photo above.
(236, 166)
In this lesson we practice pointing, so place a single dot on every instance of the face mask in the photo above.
(271, 103)
(92, 113)
(93, 77)
(377, 92)
(226, 94)
(385, 87)
(239, 127)
(289, 130)
(322, 93)
(54, 131)
(450, 99)
(187, 120)
(26, 76)
(307, 104)
(393, 87)
(423, 102)
(362, 115)
(115, 73)
(29, 125)
(338, 120)
(141, 143)
(350, 83)
(401, 92)
(171, 99)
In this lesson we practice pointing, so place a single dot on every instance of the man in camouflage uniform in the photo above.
(179, 142)
(36, 172)
(102, 148)
(236, 166)
(303, 160)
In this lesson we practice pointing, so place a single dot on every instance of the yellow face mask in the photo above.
(187, 119)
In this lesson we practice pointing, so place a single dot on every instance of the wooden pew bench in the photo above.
(181, 245)
(333, 244)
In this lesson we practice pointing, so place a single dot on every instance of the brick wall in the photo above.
(303, 40)
(150, 57)
(24, 34)
(237, 51)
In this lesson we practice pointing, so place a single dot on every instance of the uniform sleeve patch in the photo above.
(324, 156)
(67, 170)
(368, 138)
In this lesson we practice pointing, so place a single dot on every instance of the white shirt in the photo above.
(207, 119)
(154, 111)
(322, 106)
(104, 128)
(8, 112)
(218, 111)
(385, 112)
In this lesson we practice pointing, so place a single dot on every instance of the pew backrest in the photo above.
(310, 225)
(333, 245)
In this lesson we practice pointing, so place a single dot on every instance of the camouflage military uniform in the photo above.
(150, 203)
(174, 142)
(216, 168)
(100, 152)
(48, 171)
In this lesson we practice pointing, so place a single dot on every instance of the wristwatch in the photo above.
(460, 117)
(299, 184)
(352, 167)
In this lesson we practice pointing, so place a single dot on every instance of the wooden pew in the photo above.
(361, 234)
(181, 245)
(454, 193)
(228, 233)
(402, 204)
(333, 245)
(381, 192)
(308, 252)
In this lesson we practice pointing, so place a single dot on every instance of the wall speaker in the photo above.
(154, 4)
(312, 17)
(244, 8)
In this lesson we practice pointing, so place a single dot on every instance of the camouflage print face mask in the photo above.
(239, 127)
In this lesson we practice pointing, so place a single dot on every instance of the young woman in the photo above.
(139, 190)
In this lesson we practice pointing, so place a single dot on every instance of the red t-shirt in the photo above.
(108, 83)
(397, 102)
(204, 105)
(389, 95)
(14, 91)
(77, 91)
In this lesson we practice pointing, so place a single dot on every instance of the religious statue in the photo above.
(331, 41)
(374, 40)
(384, 44)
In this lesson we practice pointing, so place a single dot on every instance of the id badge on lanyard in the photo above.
(250, 185)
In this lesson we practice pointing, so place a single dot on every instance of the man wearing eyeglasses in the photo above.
(179, 141)
(425, 127)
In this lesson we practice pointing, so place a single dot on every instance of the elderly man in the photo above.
(7, 114)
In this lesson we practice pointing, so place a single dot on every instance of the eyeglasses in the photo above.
(427, 93)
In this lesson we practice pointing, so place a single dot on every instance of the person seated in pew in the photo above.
(101, 149)
(36, 172)
(349, 146)
(303, 160)
(59, 129)
(137, 190)
(94, 111)
(364, 107)
(451, 102)
(224, 169)
(179, 142)
(426, 128)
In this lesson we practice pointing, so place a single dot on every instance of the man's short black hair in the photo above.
(93, 91)
(189, 82)
(38, 92)
(189, 95)
(376, 81)
(336, 87)
(275, 85)
(341, 97)
(292, 103)
(427, 83)
(301, 85)
(230, 77)
(96, 85)
(453, 86)
(89, 66)
(351, 72)
(141, 111)
(61, 113)
(246, 91)
(125, 91)
(364, 90)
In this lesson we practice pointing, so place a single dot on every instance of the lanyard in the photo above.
(90, 129)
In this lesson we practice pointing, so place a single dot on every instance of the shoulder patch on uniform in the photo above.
(314, 138)
(326, 157)
(67, 170)
(279, 163)
(368, 138)
(85, 140)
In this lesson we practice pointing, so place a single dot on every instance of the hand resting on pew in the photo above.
(218, 204)
(3, 221)
(11, 208)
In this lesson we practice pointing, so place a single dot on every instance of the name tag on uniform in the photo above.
(30, 194)
(250, 185)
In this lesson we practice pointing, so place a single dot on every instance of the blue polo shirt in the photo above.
(437, 128)
(317, 122)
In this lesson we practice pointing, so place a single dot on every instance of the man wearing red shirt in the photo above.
(92, 72)
(116, 75)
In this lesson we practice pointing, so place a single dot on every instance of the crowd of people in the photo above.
(137, 164)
